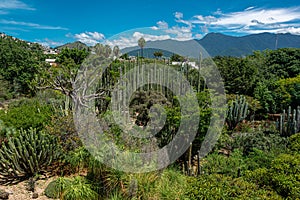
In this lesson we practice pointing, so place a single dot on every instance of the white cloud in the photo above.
(89, 38)
(14, 4)
(49, 43)
(32, 25)
(160, 25)
(249, 8)
(132, 40)
(178, 15)
(180, 32)
(250, 20)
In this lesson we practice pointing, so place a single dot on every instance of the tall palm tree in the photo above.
(142, 43)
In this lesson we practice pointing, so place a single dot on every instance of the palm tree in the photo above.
(116, 51)
(142, 43)
(158, 54)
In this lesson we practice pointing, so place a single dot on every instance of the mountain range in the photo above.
(217, 44)
(213, 44)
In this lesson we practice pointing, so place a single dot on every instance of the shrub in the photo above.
(220, 164)
(70, 189)
(77, 159)
(294, 143)
(27, 113)
(55, 188)
(79, 189)
(225, 187)
(259, 140)
(283, 176)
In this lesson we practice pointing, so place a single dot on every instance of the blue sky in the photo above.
(56, 22)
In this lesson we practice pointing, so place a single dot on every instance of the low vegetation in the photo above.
(256, 156)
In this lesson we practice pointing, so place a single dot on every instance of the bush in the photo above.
(294, 143)
(63, 127)
(27, 113)
(246, 142)
(283, 176)
(70, 189)
(79, 189)
(219, 164)
(225, 187)
(55, 188)
(77, 159)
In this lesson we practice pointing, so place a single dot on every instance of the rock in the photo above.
(3, 194)
(35, 195)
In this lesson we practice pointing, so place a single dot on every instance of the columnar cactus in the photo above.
(289, 122)
(237, 112)
(26, 153)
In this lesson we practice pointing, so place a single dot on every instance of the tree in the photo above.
(177, 58)
(116, 51)
(142, 43)
(158, 54)
(62, 77)
(20, 62)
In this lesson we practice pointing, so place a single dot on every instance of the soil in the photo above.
(19, 191)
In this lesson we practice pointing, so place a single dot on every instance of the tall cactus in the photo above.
(289, 122)
(26, 153)
(237, 112)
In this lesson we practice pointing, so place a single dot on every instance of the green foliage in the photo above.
(288, 92)
(79, 189)
(237, 112)
(247, 142)
(219, 187)
(55, 188)
(219, 164)
(27, 113)
(158, 54)
(20, 63)
(294, 143)
(177, 58)
(70, 189)
(74, 54)
(64, 129)
(283, 176)
(289, 122)
(5, 92)
(78, 159)
(27, 153)
(239, 74)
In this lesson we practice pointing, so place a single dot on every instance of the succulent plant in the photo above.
(26, 153)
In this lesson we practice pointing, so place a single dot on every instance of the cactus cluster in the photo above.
(289, 122)
(27, 153)
(237, 112)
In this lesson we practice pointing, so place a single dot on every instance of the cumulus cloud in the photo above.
(89, 38)
(178, 15)
(160, 25)
(132, 40)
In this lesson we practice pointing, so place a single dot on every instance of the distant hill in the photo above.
(217, 44)
(224, 45)
(149, 52)
(74, 45)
